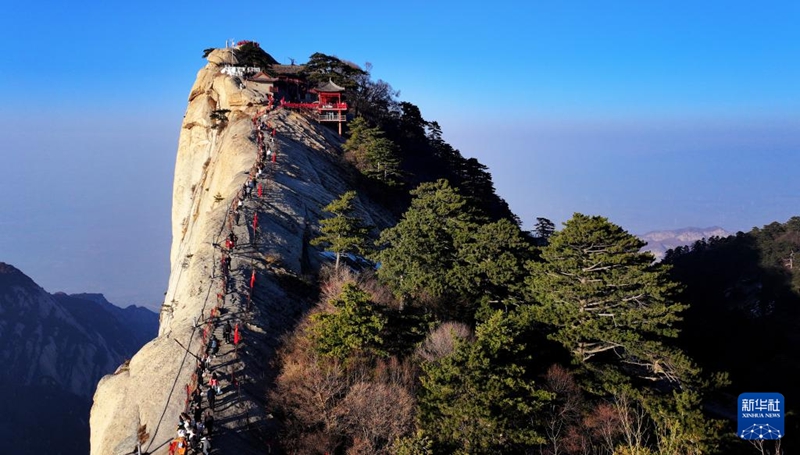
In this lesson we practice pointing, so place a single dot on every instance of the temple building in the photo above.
(331, 108)
(288, 87)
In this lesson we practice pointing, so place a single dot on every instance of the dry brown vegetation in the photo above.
(333, 280)
(360, 407)
(442, 340)
(618, 425)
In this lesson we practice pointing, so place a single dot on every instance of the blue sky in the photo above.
(659, 115)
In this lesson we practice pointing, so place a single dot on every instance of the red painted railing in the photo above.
(328, 106)
(337, 106)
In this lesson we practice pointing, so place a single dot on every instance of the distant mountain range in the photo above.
(54, 348)
(658, 242)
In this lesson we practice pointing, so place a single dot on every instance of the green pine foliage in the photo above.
(321, 68)
(402, 148)
(492, 260)
(442, 251)
(543, 229)
(220, 118)
(615, 311)
(343, 233)
(679, 425)
(427, 158)
(601, 295)
(417, 444)
(744, 296)
(587, 292)
(777, 244)
(372, 154)
(421, 249)
(355, 326)
(251, 54)
(478, 399)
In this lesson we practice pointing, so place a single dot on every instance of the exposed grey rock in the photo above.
(54, 349)
(213, 162)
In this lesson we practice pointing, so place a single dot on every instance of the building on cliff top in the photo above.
(330, 106)
(288, 85)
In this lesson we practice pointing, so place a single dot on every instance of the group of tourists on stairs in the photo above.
(195, 428)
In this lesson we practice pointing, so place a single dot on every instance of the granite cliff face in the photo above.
(215, 158)
(54, 349)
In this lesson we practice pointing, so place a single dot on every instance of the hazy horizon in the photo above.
(655, 116)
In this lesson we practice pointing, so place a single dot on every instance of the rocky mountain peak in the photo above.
(254, 283)
(11, 276)
(54, 350)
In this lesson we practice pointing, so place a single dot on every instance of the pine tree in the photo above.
(356, 144)
(602, 295)
(417, 444)
(478, 400)
(491, 262)
(613, 308)
(355, 326)
(251, 54)
(443, 252)
(383, 162)
(373, 154)
(343, 233)
(420, 250)
(321, 68)
(543, 229)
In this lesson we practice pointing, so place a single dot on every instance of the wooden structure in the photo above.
(329, 107)
(266, 81)
(263, 78)
(291, 84)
